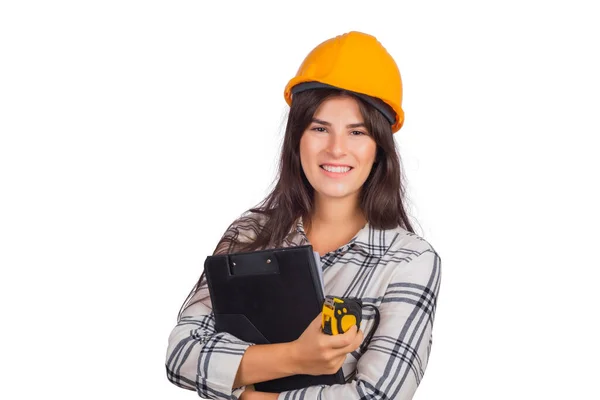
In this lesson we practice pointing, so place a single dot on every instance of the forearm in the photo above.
(264, 362)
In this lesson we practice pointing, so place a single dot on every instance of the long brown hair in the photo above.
(382, 195)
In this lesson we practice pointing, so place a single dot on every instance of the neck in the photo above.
(331, 212)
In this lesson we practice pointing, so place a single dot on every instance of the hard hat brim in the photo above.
(379, 105)
(392, 112)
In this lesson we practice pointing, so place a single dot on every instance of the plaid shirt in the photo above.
(395, 270)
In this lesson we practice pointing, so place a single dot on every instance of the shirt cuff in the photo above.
(238, 392)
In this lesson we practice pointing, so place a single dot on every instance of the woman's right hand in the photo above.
(317, 353)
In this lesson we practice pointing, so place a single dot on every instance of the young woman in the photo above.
(340, 190)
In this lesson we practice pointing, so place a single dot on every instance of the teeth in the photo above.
(339, 170)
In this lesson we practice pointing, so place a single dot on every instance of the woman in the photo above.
(340, 190)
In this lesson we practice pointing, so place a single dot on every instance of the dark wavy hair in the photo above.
(382, 195)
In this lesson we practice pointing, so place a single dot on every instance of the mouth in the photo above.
(336, 169)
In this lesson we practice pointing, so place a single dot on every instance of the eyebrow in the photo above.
(320, 121)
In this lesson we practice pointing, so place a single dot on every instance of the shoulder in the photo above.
(248, 223)
(244, 229)
(414, 260)
(411, 247)
(409, 241)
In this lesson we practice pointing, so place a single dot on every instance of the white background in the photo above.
(134, 132)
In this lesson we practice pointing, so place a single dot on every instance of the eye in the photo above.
(319, 129)
(358, 133)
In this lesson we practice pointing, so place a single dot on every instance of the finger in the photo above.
(355, 344)
(358, 340)
(342, 340)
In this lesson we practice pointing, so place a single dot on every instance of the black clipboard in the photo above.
(268, 296)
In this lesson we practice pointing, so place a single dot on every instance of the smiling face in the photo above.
(336, 150)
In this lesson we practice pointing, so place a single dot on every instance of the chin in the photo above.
(337, 194)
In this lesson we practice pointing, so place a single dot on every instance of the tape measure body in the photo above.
(339, 314)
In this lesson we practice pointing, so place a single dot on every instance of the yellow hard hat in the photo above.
(358, 63)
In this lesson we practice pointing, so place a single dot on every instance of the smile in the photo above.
(338, 169)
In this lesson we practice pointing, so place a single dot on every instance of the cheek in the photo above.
(302, 149)
(367, 154)
(307, 150)
(304, 155)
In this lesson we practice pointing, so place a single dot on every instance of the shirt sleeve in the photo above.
(394, 363)
(198, 358)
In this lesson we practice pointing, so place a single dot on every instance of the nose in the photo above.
(337, 145)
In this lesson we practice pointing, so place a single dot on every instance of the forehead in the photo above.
(339, 107)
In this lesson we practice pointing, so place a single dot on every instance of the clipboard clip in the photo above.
(255, 263)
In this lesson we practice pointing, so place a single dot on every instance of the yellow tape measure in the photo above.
(339, 314)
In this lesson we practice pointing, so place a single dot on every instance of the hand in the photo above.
(316, 353)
